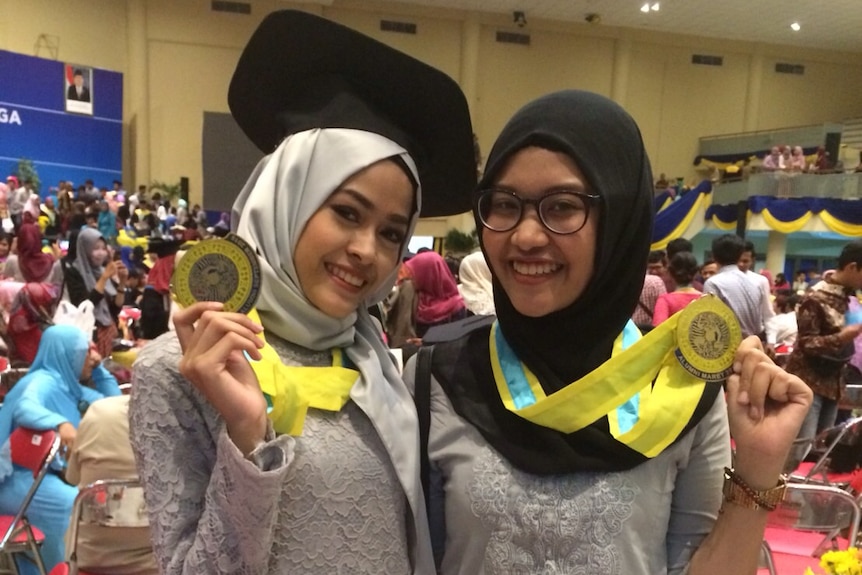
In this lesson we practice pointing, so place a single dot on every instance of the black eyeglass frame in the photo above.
(589, 200)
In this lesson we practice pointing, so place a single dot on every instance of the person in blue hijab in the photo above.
(50, 396)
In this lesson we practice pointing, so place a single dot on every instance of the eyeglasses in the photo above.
(562, 211)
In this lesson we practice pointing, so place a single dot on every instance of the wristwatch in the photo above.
(739, 493)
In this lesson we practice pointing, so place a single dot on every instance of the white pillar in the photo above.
(776, 251)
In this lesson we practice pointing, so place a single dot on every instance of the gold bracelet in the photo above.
(738, 492)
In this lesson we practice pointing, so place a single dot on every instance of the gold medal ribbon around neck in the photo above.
(644, 391)
(290, 390)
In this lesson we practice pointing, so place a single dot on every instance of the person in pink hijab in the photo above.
(437, 293)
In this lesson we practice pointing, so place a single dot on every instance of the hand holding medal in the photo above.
(224, 270)
(765, 404)
(217, 282)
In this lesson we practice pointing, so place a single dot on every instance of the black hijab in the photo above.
(565, 345)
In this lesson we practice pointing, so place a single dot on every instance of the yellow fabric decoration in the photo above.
(681, 227)
(840, 227)
(646, 376)
(291, 390)
(722, 225)
(785, 227)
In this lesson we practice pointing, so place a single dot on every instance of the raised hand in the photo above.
(766, 407)
(214, 343)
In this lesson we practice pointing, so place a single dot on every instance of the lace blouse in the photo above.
(646, 521)
(326, 502)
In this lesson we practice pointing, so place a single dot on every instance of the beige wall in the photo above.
(177, 57)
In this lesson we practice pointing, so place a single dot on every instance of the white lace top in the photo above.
(326, 502)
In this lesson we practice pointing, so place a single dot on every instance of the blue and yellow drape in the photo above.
(788, 215)
(672, 221)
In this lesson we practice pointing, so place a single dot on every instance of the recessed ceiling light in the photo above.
(795, 27)
(645, 8)
(654, 7)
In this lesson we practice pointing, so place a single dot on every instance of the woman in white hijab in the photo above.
(475, 287)
(325, 477)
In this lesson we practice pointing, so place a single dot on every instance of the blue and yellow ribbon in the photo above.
(643, 390)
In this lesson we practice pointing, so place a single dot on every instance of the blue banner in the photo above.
(63, 145)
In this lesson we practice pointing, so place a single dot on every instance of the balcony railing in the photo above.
(789, 185)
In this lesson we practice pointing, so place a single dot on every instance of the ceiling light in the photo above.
(654, 7)
(795, 27)
(645, 8)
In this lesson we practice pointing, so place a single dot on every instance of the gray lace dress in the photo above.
(326, 502)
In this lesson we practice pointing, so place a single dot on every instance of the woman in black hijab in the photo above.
(567, 445)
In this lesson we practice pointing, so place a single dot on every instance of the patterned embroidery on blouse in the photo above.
(348, 511)
(549, 525)
(341, 508)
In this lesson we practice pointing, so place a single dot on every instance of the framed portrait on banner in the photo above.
(78, 85)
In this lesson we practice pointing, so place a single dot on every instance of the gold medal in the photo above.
(707, 335)
(224, 270)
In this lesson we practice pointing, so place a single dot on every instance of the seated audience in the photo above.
(31, 314)
(94, 276)
(50, 396)
(31, 264)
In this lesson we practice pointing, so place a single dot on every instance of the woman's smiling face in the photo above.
(353, 242)
(542, 271)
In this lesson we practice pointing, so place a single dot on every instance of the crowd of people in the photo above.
(807, 326)
(557, 437)
(86, 245)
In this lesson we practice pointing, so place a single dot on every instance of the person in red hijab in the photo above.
(438, 298)
(31, 265)
(31, 313)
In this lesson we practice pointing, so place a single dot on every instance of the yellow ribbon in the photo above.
(291, 390)
(643, 385)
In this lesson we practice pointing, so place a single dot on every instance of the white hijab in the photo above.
(475, 287)
(284, 191)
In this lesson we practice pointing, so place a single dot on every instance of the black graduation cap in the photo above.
(300, 71)
(162, 247)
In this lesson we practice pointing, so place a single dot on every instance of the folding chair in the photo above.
(826, 444)
(106, 503)
(823, 512)
(34, 450)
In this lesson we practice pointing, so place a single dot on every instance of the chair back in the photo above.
(817, 508)
(798, 451)
(107, 503)
(844, 434)
(31, 448)
(34, 450)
